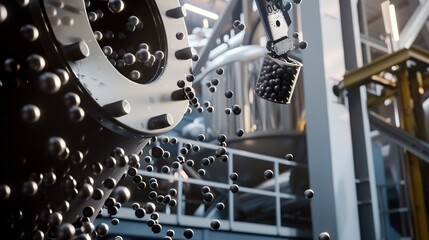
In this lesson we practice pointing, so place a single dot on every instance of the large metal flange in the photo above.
(121, 104)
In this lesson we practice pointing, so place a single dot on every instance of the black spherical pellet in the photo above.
(181, 84)
(150, 207)
(38, 235)
(205, 189)
(239, 132)
(208, 197)
(175, 165)
(147, 159)
(154, 216)
(324, 236)
(64, 207)
(233, 176)
(88, 211)
(268, 174)
(149, 168)
(110, 202)
(309, 193)
(157, 152)
(29, 188)
(295, 35)
(160, 198)
(241, 26)
(183, 151)
(303, 45)
(188, 233)
(205, 162)
(236, 23)
(165, 169)
(165, 140)
(215, 81)
(174, 141)
(55, 218)
(109, 162)
(5, 192)
(172, 192)
(102, 229)
(289, 157)
(88, 227)
(56, 146)
(212, 89)
(30, 113)
(234, 188)
(134, 160)
(224, 158)
(236, 109)
(172, 203)
(140, 212)
(151, 222)
(190, 162)
(49, 178)
(135, 206)
(179, 35)
(66, 231)
(201, 137)
(123, 161)
(132, 171)
(219, 71)
(141, 185)
(153, 185)
(201, 172)
(221, 151)
(121, 194)
(196, 148)
(157, 228)
(215, 224)
(153, 195)
(228, 111)
(115, 221)
(166, 155)
(220, 206)
(229, 94)
(97, 194)
(221, 138)
(170, 233)
(109, 183)
(190, 78)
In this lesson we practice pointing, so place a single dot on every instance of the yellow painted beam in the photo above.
(414, 177)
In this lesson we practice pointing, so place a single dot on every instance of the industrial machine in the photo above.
(84, 86)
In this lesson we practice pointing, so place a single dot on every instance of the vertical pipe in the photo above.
(230, 194)
(412, 166)
(277, 191)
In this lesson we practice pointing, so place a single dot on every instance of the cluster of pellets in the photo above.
(276, 80)
(132, 59)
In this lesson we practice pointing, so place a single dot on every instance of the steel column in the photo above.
(330, 154)
(369, 217)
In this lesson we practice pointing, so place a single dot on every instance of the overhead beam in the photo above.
(414, 25)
